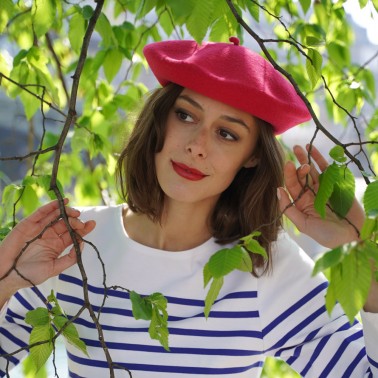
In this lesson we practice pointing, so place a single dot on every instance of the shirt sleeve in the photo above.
(297, 328)
(14, 332)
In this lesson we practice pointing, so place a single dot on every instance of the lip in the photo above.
(187, 172)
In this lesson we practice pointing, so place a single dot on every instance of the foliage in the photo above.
(45, 323)
(81, 91)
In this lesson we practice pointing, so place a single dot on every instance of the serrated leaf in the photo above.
(254, 246)
(327, 180)
(246, 261)
(328, 260)
(314, 66)
(342, 196)
(370, 199)
(76, 31)
(158, 329)
(43, 16)
(37, 317)
(112, 63)
(224, 261)
(200, 19)
(212, 294)
(104, 28)
(370, 225)
(141, 307)
(207, 276)
(70, 332)
(41, 353)
(353, 286)
(337, 153)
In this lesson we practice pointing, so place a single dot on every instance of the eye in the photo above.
(227, 135)
(183, 116)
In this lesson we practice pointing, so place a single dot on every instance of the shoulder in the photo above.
(101, 214)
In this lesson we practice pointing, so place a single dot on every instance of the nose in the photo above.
(198, 144)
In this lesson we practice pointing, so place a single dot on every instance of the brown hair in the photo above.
(248, 204)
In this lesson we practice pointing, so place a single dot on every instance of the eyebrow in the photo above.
(225, 117)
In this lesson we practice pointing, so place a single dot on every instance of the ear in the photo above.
(251, 162)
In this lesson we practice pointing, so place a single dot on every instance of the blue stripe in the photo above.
(372, 362)
(23, 301)
(167, 369)
(294, 331)
(13, 338)
(173, 300)
(11, 359)
(302, 302)
(322, 343)
(336, 357)
(128, 313)
(173, 331)
(354, 363)
(173, 350)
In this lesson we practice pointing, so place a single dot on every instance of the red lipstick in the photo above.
(187, 172)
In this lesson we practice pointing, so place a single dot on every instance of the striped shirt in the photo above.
(280, 314)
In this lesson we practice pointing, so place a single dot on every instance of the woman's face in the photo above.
(206, 144)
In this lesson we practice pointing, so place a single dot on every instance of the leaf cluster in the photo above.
(47, 323)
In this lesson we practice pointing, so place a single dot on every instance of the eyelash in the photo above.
(234, 138)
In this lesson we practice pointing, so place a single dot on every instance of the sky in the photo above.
(366, 18)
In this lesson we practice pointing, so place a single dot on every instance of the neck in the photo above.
(182, 227)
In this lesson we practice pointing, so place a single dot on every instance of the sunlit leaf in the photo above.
(142, 307)
(328, 260)
(342, 196)
(224, 261)
(327, 180)
(76, 31)
(199, 20)
(70, 333)
(40, 353)
(370, 199)
(112, 63)
(314, 66)
(212, 294)
(37, 317)
(43, 16)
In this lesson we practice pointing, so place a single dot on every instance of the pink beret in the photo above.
(231, 74)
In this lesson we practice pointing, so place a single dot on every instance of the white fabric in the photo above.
(280, 314)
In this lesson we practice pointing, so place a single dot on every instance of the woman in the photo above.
(200, 171)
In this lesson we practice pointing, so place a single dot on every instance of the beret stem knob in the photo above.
(235, 41)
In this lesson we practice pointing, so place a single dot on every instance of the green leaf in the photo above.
(353, 284)
(254, 10)
(314, 66)
(246, 261)
(37, 317)
(328, 260)
(112, 63)
(87, 12)
(342, 196)
(141, 307)
(41, 353)
(199, 19)
(254, 246)
(43, 16)
(305, 4)
(212, 294)
(207, 276)
(370, 199)
(368, 228)
(70, 333)
(104, 28)
(158, 329)
(76, 31)
(224, 261)
(11, 193)
(327, 181)
(337, 153)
